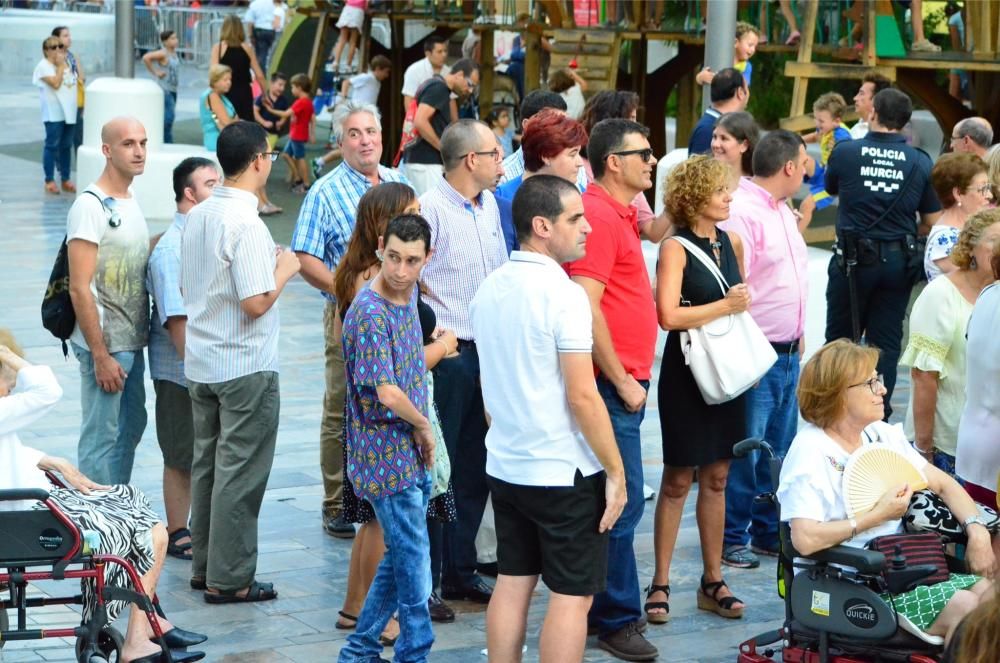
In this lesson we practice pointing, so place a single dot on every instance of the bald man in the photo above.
(973, 135)
(108, 244)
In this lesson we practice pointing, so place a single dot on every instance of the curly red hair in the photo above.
(546, 134)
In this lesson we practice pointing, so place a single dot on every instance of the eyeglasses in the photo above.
(270, 156)
(495, 153)
(984, 190)
(645, 154)
(875, 383)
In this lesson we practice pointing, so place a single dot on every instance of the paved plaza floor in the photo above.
(308, 567)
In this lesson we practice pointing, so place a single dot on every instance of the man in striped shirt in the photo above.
(231, 276)
(322, 231)
(468, 244)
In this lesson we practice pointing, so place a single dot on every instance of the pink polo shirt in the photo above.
(774, 258)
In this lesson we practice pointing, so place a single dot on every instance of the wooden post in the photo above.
(486, 72)
(391, 128)
(868, 52)
(688, 106)
(319, 47)
(800, 88)
(532, 59)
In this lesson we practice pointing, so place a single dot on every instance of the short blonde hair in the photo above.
(826, 377)
(743, 28)
(216, 72)
(691, 185)
(972, 235)
(7, 338)
(831, 102)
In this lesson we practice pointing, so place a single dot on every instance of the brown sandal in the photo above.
(708, 599)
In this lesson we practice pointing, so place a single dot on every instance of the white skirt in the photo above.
(351, 17)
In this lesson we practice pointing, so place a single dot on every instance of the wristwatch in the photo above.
(974, 520)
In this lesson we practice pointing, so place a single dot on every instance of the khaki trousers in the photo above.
(331, 429)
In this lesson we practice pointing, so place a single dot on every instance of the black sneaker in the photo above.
(440, 611)
(338, 527)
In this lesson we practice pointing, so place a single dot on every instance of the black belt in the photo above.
(462, 343)
(789, 348)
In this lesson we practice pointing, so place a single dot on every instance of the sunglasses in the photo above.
(270, 156)
(645, 154)
(57, 47)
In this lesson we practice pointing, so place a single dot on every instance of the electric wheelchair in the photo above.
(44, 544)
(835, 614)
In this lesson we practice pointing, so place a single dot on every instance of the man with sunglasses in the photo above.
(108, 244)
(423, 156)
(613, 274)
(468, 245)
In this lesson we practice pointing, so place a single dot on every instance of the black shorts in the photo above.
(552, 531)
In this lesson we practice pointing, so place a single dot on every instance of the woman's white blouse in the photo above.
(36, 393)
(812, 475)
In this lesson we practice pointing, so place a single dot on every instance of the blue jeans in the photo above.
(620, 603)
(57, 150)
(773, 415)
(112, 424)
(402, 583)
(169, 108)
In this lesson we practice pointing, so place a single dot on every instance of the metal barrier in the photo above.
(197, 29)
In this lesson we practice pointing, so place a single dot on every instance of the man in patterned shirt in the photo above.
(324, 227)
(389, 441)
(194, 179)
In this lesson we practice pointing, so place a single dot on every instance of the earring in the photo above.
(960, 203)
(973, 263)
(378, 255)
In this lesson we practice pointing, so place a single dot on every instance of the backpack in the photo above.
(58, 315)
(409, 137)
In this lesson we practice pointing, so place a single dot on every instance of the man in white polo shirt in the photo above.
(231, 276)
(550, 434)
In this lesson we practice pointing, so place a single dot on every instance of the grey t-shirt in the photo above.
(119, 230)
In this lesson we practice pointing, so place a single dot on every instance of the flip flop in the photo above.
(179, 550)
(258, 591)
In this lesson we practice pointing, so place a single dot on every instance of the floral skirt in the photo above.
(125, 521)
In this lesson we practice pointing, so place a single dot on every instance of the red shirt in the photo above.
(302, 113)
(614, 257)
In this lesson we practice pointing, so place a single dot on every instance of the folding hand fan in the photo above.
(872, 471)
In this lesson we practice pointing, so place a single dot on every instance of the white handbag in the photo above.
(728, 355)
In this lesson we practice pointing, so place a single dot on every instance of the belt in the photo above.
(789, 348)
(462, 343)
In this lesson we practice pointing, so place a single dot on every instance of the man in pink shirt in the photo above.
(775, 263)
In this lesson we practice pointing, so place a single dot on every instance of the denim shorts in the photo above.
(296, 149)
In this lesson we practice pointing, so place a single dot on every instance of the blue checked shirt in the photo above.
(326, 219)
(513, 166)
(163, 282)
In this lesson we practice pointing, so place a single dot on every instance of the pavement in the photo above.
(308, 567)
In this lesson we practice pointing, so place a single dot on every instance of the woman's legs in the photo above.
(355, 35)
(137, 637)
(366, 554)
(674, 488)
(711, 515)
(339, 48)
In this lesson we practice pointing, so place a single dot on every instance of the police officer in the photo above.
(883, 183)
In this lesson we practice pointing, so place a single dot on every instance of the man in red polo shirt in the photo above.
(613, 273)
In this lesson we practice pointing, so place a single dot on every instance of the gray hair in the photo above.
(347, 109)
(458, 140)
(977, 129)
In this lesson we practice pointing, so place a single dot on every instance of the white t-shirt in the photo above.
(859, 130)
(57, 105)
(574, 101)
(812, 475)
(524, 315)
(364, 88)
(119, 284)
(417, 73)
(978, 456)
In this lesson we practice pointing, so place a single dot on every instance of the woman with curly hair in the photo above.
(360, 264)
(695, 434)
(935, 351)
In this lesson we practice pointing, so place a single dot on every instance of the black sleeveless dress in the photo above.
(695, 433)
(240, 94)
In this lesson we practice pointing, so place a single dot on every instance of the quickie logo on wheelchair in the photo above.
(50, 539)
(860, 613)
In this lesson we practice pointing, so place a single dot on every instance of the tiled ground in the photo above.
(307, 566)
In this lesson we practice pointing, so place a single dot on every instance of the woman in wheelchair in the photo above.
(840, 397)
(127, 526)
